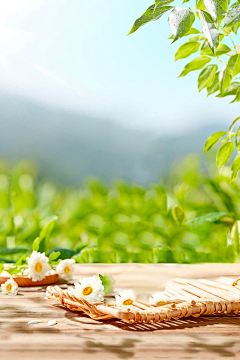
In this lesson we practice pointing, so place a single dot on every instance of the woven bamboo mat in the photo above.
(184, 298)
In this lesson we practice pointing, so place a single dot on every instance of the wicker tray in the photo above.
(24, 281)
(204, 297)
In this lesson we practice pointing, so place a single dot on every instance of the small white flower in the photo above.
(89, 288)
(65, 269)
(10, 287)
(38, 266)
(158, 299)
(125, 297)
(52, 322)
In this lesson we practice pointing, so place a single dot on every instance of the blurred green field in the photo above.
(189, 216)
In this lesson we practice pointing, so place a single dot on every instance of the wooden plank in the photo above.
(77, 336)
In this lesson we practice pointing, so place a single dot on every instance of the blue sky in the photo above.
(74, 54)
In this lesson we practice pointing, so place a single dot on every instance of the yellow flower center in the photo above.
(67, 270)
(9, 287)
(87, 291)
(128, 302)
(38, 267)
(160, 303)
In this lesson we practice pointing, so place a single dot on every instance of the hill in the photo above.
(71, 147)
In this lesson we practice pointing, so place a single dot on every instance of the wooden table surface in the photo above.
(78, 337)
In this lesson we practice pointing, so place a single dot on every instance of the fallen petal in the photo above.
(35, 321)
(52, 322)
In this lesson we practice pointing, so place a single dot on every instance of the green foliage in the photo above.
(220, 62)
(185, 219)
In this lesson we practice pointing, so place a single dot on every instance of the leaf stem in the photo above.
(233, 42)
(221, 61)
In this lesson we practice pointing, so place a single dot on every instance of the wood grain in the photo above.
(76, 336)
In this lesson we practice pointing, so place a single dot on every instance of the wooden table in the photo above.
(78, 337)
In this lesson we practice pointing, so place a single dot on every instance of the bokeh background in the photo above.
(97, 129)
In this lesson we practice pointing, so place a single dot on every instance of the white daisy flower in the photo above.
(38, 266)
(10, 287)
(89, 288)
(158, 299)
(65, 269)
(125, 297)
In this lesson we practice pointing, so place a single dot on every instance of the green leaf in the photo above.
(205, 49)
(234, 63)
(12, 251)
(6, 261)
(237, 139)
(231, 90)
(36, 244)
(1, 268)
(228, 138)
(46, 231)
(200, 5)
(233, 123)
(206, 76)
(22, 260)
(221, 49)
(233, 16)
(64, 253)
(186, 49)
(225, 78)
(44, 234)
(235, 28)
(213, 139)
(196, 64)
(235, 167)
(216, 8)
(162, 3)
(227, 31)
(209, 30)
(237, 98)
(178, 214)
(159, 3)
(195, 38)
(214, 86)
(190, 32)
(13, 270)
(144, 19)
(150, 14)
(180, 21)
(54, 255)
(107, 282)
(209, 218)
(160, 11)
(224, 154)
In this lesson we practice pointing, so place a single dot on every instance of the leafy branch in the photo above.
(219, 63)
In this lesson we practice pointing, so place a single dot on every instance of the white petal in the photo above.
(52, 322)
(35, 321)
